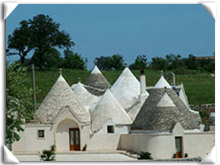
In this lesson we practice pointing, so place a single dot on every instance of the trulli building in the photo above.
(125, 116)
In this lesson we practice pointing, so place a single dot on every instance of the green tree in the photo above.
(47, 35)
(19, 42)
(174, 61)
(114, 62)
(104, 63)
(51, 59)
(191, 62)
(41, 34)
(158, 63)
(117, 62)
(73, 60)
(18, 101)
(140, 63)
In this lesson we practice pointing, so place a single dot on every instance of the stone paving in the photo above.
(80, 157)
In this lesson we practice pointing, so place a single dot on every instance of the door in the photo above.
(74, 139)
(179, 147)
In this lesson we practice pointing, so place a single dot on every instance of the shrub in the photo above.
(48, 155)
(145, 155)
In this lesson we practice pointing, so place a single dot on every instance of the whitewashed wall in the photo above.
(29, 141)
(102, 140)
(198, 144)
(162, 146)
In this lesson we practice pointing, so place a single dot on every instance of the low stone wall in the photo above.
(201, 107)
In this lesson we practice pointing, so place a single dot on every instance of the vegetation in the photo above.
(73, 60)
(199, 86)
(140, 63)
(145, 155)
(18, 101)
(176, 62)
(110, 63)
(40, 34)
(48, 155)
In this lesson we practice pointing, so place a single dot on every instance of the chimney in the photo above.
(143, 94)
(142, 83)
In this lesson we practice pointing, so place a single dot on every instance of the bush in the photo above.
(145, 155)
(48, 155)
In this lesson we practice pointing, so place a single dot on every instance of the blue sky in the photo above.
(130, 30)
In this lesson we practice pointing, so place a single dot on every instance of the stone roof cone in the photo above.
(163, 109)
(97, 80)
(126, 89)
(108, 108)
(85, 98)
(61, 95)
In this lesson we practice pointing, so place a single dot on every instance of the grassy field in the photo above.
(200, 87)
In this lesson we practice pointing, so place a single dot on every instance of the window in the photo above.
(40, 133)
(110, 129)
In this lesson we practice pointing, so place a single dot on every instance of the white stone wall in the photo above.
(162, 146)
(29, 141)
(102, 140)
(198, 144)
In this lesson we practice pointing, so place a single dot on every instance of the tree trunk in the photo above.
(22, 59)
(41, 61)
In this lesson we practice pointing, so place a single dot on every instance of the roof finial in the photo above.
(79, 79)
(61, 71)
(161, 72)
(126, 64)
(95, 61)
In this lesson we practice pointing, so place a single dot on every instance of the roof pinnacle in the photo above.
(126, 64)
(61, 71)
(95, 62)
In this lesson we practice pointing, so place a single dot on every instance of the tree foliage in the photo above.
(51, 59)
(41, 34)
(140, 63)
(114, 62)
(20, 41)
(173, 61)
(18, 101)
(47, 35)
(177, 63)
(73, 60)
(158, 63)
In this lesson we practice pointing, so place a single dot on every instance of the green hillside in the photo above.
(200, 87)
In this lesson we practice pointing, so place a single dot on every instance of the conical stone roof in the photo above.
(162, 83)
(97, 80)
(61, 95)
(126, 89)
(85, 98)
(108, 108)
(152, 117)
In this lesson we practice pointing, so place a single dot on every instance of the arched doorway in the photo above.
(67, 136)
